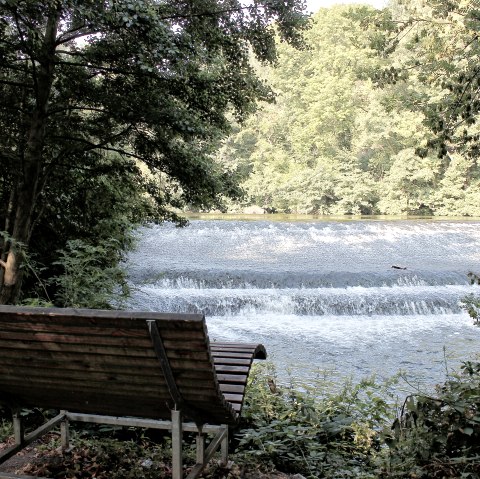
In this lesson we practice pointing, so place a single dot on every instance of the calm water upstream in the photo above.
(321, 295)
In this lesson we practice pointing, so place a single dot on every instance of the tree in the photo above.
(151, 81)
(327, 143)
(436, 44)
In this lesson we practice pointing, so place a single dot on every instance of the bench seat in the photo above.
(123, 364)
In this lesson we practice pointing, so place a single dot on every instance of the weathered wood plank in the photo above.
(178, 365)
(177, 348)
(103, 316)
(73, 327)
(59, 339)
(232, 388)
(232, 378)
(235, 361)
(227, 354)
(233, 398)
(111, 356)
(258, 350)
(116, 387)
(226, 368)
(125, 405)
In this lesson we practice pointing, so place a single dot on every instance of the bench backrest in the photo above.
(120, 363)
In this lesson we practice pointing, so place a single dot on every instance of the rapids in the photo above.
(348, 297)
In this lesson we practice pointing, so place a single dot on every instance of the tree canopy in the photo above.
(377, 116)
(110, 112)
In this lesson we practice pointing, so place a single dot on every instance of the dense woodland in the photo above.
(110, 113)
(378, 115)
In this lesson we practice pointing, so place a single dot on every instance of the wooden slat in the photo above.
(177, 348)
(232, 378)
(226, 368)
(76, 348)
(227, 354)
(96, 398)
(257, 350)
(234, 398)
(128, 375)
(232, 344)
(177, 365)
(140, 357)
(235, 361)
(59, 339)
(119, 386)
(101, 317)
(232, 388)
(87, 330)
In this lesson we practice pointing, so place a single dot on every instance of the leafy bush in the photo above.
(439, 436)
(91, 275)
(6, 429)
(313, 431)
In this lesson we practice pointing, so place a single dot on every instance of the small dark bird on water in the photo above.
(398, 267)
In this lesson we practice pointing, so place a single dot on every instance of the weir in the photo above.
(305, 289)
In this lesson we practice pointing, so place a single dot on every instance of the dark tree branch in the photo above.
(16, 83)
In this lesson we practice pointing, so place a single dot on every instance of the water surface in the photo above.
(354, 297)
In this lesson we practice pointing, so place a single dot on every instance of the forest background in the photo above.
(358, 111)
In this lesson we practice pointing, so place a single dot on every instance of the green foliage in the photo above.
(106, 102)
(334, 143)
(433, 45)
(86, 231)
(91, 276)
(6, 429)
(439, 436)
(312, 431)
(378, 115)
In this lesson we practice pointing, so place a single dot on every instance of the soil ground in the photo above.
(39, 458)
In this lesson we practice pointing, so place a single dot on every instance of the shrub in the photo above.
(439, 436)
(314, 431)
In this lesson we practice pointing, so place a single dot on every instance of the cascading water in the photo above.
(356, 297)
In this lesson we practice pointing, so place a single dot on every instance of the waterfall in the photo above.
(355, 296)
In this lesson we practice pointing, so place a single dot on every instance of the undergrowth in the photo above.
(357, 431)
(312, 431)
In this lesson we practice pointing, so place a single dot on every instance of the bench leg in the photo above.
(22, 441)
(18, 429)
(177, 433)
(65, 432)
(204, 455)
(224, 449)
(200, 448)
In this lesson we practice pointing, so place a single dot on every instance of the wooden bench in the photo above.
(126, 368)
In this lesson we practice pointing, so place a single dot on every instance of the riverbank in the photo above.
(290, 433)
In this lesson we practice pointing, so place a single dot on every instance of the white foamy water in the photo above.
(321, 295)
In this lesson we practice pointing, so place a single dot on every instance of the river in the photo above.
(335, 298)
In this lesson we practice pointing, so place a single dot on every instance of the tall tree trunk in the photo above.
(32, 166)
